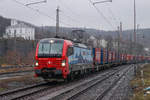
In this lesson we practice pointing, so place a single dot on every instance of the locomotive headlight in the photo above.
(36, 64)
(51, 41)
(63, 64)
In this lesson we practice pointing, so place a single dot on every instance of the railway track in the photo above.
(27, 92)
(74, 92)
(10, 75)
(105, 92)
(15, 66)
(53, 91)
(21, 92)
(7, 73)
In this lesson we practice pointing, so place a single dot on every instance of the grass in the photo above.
(2, 89)
(138, 86)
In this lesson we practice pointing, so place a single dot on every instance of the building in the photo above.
(20, 29)
(103, 43)
(96, 42)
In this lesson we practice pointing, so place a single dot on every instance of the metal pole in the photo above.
(134, 22)
(120, 32)
(57, 21)
(131, 43)
(138, 35)
(118, 43)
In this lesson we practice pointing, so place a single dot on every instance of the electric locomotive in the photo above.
(61, 59)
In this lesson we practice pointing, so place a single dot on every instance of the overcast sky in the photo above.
(79, 13)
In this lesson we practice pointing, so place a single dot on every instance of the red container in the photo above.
(97, 55)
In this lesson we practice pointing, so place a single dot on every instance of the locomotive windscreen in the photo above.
(49, 49)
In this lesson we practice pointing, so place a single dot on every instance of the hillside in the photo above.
(143, 35)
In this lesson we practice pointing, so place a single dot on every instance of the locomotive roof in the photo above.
(61, 40)
(80, 45)
(48, 39)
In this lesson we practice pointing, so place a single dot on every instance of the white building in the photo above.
(20, 29)
(103, 43)
(98, 42)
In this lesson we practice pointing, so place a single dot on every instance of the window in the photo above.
(70, 51)
(50, 49)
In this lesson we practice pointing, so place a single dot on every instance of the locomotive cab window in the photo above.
(70, 51)
(50, 49)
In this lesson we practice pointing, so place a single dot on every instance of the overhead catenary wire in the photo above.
(74, 20)
(70, 15)
(40, 12)
(117, 20)
(68, 8)
(36, 10)
(101, 14)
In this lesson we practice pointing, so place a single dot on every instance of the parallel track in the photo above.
(81, 92)
(69, 93)
(100, 97)
(17, 66)
(21, 92)
(7, 73)
(73, 92)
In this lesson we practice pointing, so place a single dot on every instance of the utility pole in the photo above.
(138, 34)
(134, 22)
(121, 38)
(131, 45)
(57, 21)
(118, 43)
(120, 32)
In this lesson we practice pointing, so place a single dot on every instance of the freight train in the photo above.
(63, 59)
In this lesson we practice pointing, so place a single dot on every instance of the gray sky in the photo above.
(80, 13)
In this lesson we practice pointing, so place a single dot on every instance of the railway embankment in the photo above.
(141, 84)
